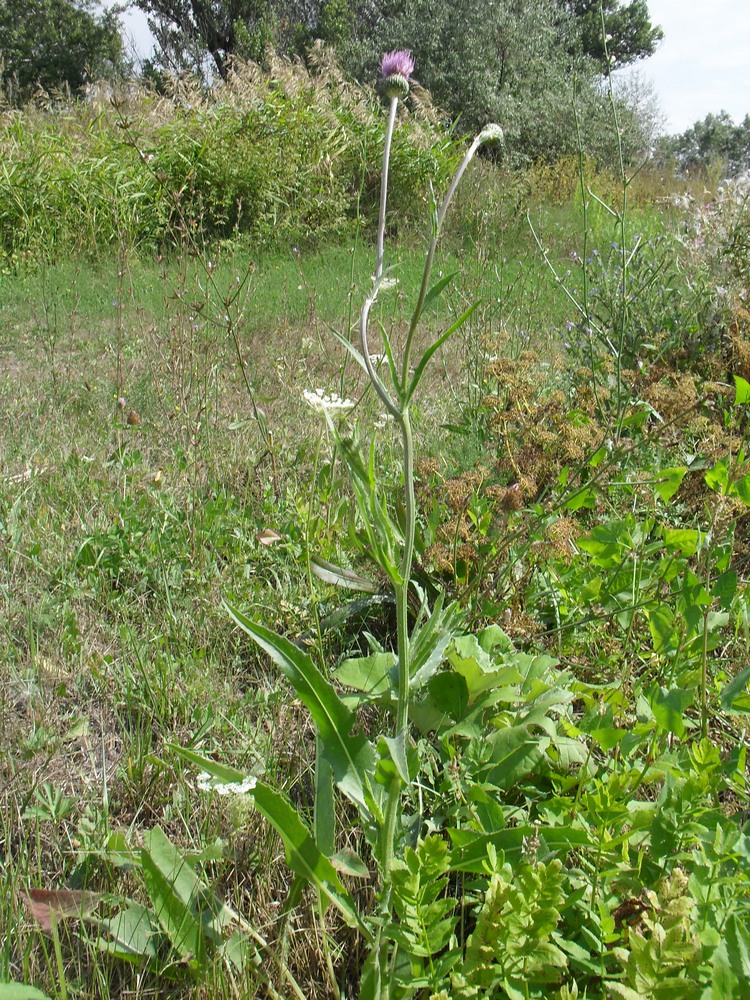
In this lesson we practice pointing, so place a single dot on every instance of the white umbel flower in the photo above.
(208, 784)
(323, 402)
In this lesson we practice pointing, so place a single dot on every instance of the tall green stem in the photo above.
(384, 187)
(492, 132)
(397, 404)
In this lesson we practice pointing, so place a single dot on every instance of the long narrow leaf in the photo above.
(339, 577)
(352, 758)
(437, 288)
(220, 772)
(419, 370)
(349, 346)
(303, 855)
(389, 357)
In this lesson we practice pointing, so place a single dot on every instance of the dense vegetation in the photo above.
(204, 512)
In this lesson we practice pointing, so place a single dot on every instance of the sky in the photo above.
(703, 64)
(701, 67)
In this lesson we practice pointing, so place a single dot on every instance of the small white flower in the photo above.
(386, 284)
(208, 784)
(321, 402)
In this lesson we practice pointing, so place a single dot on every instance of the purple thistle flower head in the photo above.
(395, 69)
(399, 63)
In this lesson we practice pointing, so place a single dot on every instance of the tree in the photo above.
(56, 44)
(516, 62)
(521, 63)
(185, 30)
(630, 34)
(714, 141)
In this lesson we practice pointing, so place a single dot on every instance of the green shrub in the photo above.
(272, 158)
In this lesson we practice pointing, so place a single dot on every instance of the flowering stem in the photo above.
(491, 133)
(384, 187)
(396, 68)
(402, 590)
(400, 412)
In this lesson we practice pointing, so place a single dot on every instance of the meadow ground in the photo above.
(582, 482)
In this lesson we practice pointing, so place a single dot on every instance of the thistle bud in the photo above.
(489, 134)
(395, 70)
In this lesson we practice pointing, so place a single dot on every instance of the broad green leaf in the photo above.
(742, 391)
(737, 938)
(608, 738)
(395, 748)
(303, 855)
(466, 648)
(425, 714)
(717, 478)
(605, 543)
(669, 707)
(581, 499)
(742, 489)
(450, 693)
(132, 933)
(685, 540)
(516, 752)
(735, 697)
(481, 672)
(494, 640)
(669, 482)
(191, 890)
(352, 758)
(725, 588)
(371, 979)
(369, 674)
(570, 752)
(723, 980)
(661, 626)
(349, 863)
(179, 898)
(239, 950)
(17, 991)
(616, 989)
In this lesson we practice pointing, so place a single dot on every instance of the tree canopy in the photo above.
(714, 141)
(628, 32)
(56, 44)
(225, 28)
(533, 65)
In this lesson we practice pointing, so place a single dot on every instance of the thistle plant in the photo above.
(375, 773)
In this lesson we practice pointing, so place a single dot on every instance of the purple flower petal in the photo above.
(397, 63)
